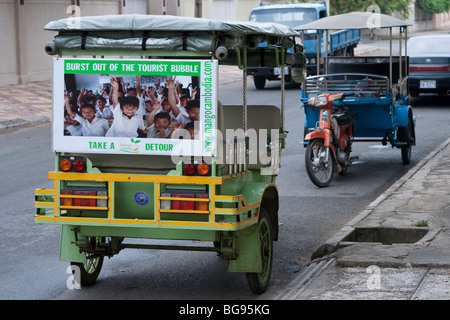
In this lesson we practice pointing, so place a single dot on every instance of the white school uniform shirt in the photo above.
(141, 111)
(183, 118)
(97, 128)
(106, 113)
(75, 130)
(153, 133)
(183, 113)
(123, 126)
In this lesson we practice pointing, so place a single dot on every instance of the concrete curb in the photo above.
(21, 123)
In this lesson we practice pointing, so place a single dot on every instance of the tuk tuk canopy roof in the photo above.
(165, 35)
(354, 20)
(140, 22)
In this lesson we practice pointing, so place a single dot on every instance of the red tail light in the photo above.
(84, 202)
(72, 164)
(188, 169)
(173, 204)
(82, 198)
(79, 165)
(429, 68)
(182, 205)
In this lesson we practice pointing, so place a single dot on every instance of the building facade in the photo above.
(23, 58)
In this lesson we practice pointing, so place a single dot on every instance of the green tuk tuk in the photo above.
(209, 175)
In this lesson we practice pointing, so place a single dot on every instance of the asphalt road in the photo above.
(29, 266)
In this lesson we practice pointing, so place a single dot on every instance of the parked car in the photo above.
(429, 64)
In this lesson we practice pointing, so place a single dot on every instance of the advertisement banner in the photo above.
(157, 107)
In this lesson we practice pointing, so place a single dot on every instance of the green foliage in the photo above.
(434, 6)
(386, 6)
(421, 223)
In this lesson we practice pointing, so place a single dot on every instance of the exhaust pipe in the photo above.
(448, 92)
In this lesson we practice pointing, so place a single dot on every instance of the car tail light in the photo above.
(188, 169)
(174, 204)
(201, 205)
(182, 204)
(79, 165)
(83, 198)
(429, 68)
(102, 202)
(166, 204)
(65, 164)
(193, 169)
(84, 202)
(67, 201)
(203, 169)
(72, 164)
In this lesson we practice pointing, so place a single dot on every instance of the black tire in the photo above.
(344, 170)
(404, 135)
(86, 274)
(406, 154)
(322, 174)
(259, 282)
(259, 81)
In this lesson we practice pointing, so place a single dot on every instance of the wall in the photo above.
(442, 20)
(22, 56)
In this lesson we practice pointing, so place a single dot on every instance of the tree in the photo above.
(434, 6)
(386, 6)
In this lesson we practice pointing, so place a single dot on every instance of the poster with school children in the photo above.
(141, 106)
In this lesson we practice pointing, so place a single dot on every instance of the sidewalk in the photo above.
(25, 104)
(397, 248)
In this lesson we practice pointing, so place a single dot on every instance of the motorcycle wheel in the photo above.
(320, 172)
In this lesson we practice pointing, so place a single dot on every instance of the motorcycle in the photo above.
(329, 145)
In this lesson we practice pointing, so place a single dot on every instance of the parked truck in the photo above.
(340, 43)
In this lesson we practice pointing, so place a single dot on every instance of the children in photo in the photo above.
(192, 113)
(71, 126)
(158, 123)
(127, 121)
(102, 109)
(90, 124)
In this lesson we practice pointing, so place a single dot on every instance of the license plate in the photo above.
(277, 71)
(427, 84)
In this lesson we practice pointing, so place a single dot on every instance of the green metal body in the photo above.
(235, 194)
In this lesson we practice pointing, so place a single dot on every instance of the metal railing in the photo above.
(359, 84)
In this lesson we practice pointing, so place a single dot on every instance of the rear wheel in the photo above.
(259, 82)
(87, 273)
(405, 135)
(406, 154)
(320, 169)
(259, 282)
